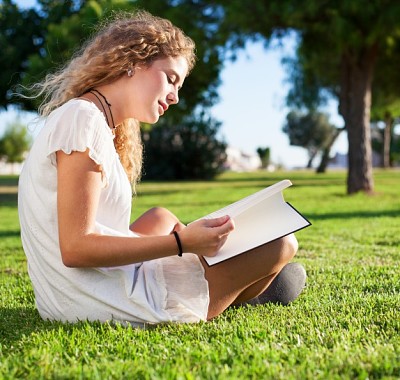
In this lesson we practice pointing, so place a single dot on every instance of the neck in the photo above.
(113, 94)
(106, 106)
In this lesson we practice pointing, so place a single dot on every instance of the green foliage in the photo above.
(65, 27)
(378, 140)
(311, 131)
(188, 150)
(386, 105)
(386, 88)
(345, 325)
(61, 36)
(18, 30)
(341, 45)
(200, 22)
(265, 156)
(15, 142)
(22, 35)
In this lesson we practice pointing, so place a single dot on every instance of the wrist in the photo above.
(178, 243)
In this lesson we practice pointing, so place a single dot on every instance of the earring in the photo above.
(130, 72)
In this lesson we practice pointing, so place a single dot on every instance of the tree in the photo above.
(340, 44)
(188, 150)
(185, 144)
(18, 29)
(23, 34)
(199, 21)
(326, 150)
(14, 143)
(62, 35)
(386, 102)
(395, 146)
(311, 131)
(265, 156)
(387, 117)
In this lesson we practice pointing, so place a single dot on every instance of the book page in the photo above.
(258, 220)
(234, 209)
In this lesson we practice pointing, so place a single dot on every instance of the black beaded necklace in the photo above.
(95, 92)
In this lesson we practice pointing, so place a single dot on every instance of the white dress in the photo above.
(162, 290)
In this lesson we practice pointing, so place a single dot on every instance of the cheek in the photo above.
(159, 84)
(150, 92)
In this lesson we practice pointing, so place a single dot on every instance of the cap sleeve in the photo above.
(78, 126)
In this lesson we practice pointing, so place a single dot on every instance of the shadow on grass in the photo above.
(8, 180)
(10, 233)
(354, 214)
(8, 191)
(17, 322)
(21, 322)
(262, 182)
(9, 199)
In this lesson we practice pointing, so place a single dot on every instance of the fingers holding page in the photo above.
(206, 236)
(223, 225)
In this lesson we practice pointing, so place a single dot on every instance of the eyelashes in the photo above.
(173, 79)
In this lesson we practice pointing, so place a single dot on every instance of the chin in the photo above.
(150, 117)
(153, 120)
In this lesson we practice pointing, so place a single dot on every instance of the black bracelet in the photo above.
(178, 241)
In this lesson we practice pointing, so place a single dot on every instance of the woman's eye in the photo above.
(171, 80)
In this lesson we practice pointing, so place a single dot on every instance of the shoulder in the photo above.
(76, 108)
(79, 125)
(79, 115)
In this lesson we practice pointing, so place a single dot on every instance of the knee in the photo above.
(288, 248)
(161, 213)
(163, 216)
(158, 212)
(292, 244)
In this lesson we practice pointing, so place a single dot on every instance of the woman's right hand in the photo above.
(205, 237)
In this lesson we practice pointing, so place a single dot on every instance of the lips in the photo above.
(164, 106)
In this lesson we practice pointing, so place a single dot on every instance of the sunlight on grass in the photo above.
(345, 325)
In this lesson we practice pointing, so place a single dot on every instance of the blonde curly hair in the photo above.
(120, 44)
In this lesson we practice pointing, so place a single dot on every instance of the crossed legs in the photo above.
(236, 280)
(245, 276)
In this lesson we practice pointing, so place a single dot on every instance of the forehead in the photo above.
(178, 65)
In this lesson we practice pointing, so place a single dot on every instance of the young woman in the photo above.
(75, 193)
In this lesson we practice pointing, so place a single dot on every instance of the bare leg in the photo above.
(156, 221)
(247, 275)
(236, 280)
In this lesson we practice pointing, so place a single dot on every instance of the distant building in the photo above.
(10, 169)
(340, 161)
(239, 161)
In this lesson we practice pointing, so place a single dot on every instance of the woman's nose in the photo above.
(173, 97)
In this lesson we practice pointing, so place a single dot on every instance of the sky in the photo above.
(252, 104)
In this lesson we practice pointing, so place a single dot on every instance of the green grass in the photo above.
(346, 324)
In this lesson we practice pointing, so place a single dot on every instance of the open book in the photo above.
(259, 218)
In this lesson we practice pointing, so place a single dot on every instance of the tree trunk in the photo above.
(355, 107)
(311, 156)
(327, 151)
(387, 134)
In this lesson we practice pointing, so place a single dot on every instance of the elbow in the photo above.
(71, 256)
(70, 263)
(69, 260)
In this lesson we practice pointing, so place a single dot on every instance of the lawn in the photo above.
(345, 325)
